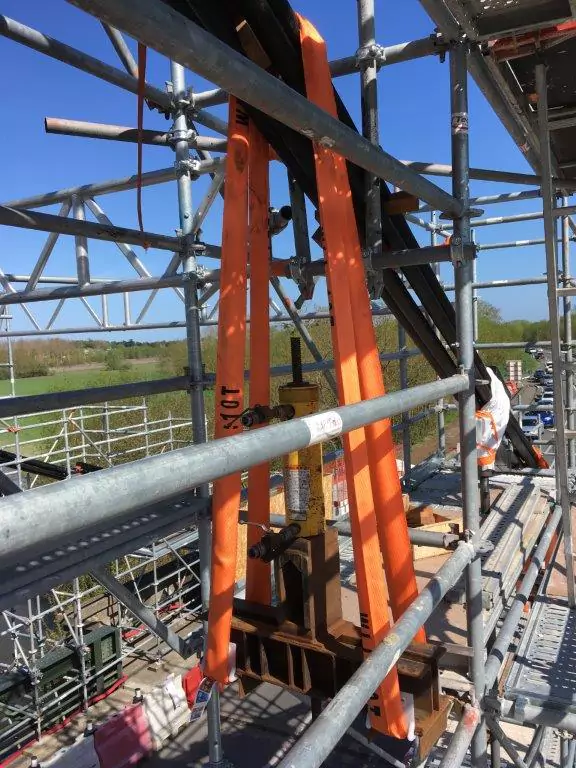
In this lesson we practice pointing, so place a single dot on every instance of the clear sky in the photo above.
(414, 124)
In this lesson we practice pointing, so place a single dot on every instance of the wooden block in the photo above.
(252, 46)
(420, 553)
(401, 202)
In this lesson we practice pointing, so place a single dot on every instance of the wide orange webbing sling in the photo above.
(244, 237)
(379, 510)
(258, 583)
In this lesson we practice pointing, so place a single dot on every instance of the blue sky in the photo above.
(414, 124)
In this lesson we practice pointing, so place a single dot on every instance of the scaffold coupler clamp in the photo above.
(482, 547)
(370, 54)
(192, 248)
(190, 166)
(460, 251)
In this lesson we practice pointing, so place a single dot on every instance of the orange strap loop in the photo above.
(356, 377)
(258, 584)
(542, 463)
(229, 390)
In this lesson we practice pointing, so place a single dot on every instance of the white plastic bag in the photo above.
(491, 422)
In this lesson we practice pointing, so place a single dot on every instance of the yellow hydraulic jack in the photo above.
(303, 488)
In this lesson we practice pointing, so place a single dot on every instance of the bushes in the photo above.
(114, 361)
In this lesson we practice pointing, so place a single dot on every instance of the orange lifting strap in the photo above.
(369, 454)
(245, 198)
(229, 389)
(386, 488)
(258, 583)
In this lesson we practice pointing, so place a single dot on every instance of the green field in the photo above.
(81, 380)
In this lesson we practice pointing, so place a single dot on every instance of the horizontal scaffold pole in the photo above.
(53, 401)
(112, 185)
(64, 127)
(47, 222)
(487, 174)
(41, 517)
(34, 39)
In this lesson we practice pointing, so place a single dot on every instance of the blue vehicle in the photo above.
(547, 418)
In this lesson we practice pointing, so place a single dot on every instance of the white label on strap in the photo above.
(323, 426)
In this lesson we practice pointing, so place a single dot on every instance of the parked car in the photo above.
(549, 367)
(547, 418)
(547, 401)
(533, 349)
(547, 381)
(539, 374)
(532, 426)
(539, 355)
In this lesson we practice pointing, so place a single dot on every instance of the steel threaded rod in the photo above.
(296, 357)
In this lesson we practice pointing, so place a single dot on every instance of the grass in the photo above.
(80, 380)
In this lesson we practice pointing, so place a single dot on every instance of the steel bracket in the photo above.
(461, 252)
(374, 277)
(191, 247)
(520, 705)
(303, 279)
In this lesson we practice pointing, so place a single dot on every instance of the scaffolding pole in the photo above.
(561, 460)
(196, 372)
(567, 312)
(464, 274)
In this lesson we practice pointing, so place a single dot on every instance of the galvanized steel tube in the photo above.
(464, 273)
(41, 516)
(64, 127)
(567, 311)
(561, 463)
(52, 401)
(194, 349)
(112, 185)
(47, 222)
(460, 741)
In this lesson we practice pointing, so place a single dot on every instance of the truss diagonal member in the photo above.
(55, 314)
(123, 247)
(92, 312)
(206, 204)
(146, 307)
(9, 288)
(46, 251)
(121, 48)
(184, 648)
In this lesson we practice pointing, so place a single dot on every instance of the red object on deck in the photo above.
(124, 740)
